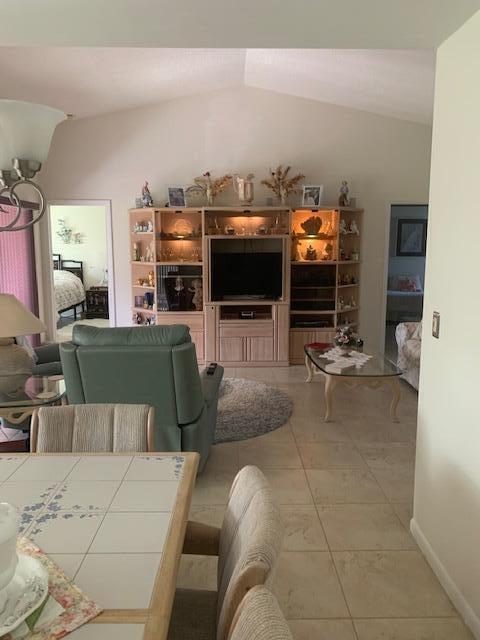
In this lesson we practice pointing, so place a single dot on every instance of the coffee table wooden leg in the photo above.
(329, 384)
(395, 387)
(310, 369)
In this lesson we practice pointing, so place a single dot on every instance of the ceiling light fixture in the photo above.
(26, 131)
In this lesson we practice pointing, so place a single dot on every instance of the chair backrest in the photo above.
(250, 542)
(259, 618)
(154, 365)
(91, 428)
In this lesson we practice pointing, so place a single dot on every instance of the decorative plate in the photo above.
(25, 593)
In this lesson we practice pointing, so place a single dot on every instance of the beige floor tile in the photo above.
(330, 455)
(197, 572)
(386, 454)
(211, 515)
(396, 481)
(404, 511)
(269, 455)
(289, 486)
(413, 629)
(303, 531)
(313, 429)
(283, 434)
(367, 430)
(387, 584)
(363, 526)
(322, 629)
(332, 486)
(213, 488)
(223, 457)
(307, 586)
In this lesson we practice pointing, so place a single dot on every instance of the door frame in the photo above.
(49, 311)
(386, 260)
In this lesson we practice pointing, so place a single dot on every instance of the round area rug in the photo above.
(247, 408)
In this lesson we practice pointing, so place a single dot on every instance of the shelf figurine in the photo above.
(328, 251)
(151, 279)
(147, 199)
(343, 199)
(150, 253)
(296, 244)
(136, 252)
(311, 253)
(354, 228)
(197, 289)
(343, 228)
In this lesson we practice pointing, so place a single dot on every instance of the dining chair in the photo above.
(247, 545)
(259, 618)
(92, 428)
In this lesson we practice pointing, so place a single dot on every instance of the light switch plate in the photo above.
(436, 324)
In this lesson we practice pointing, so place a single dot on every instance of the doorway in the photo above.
(81, 266)
(406, 270)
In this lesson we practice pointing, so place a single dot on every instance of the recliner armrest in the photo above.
(211, 384)
(48, 353)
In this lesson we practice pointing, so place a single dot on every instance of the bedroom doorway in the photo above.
(406, 270)
(81, 265)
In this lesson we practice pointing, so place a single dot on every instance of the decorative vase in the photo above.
(244, 188)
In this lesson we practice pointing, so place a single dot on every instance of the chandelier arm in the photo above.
(15, 202)
(41, 206)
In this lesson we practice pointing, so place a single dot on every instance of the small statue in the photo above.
(229, 230)
(328, 251)
(179, 286)
(262, 230)
(296, 253)
(136, 252)
(149, 253)
(311, 253)
(312, 225)
(147, 199)
(197, 289)
(151, 279)
(354, 228)
(343, 199)
(343, 227)
(340, 304)
(149, 226)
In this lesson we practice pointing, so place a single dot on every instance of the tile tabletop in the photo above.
(104, 519)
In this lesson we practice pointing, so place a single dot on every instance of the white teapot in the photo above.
(8, 548)
(244, 188)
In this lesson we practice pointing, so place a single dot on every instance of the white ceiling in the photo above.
(91, 81)
(333, 24)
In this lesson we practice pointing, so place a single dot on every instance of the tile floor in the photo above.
(350, 569)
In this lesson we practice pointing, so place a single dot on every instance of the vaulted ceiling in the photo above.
(91, 81)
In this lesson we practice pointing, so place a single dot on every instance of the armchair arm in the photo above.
(48, 353)
(404, 331)
(201, 539)
(211, 385)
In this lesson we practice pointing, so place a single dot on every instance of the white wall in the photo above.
(447, 482)
(88, 220)
(108, 157)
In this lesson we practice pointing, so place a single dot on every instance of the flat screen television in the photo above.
(246, 270)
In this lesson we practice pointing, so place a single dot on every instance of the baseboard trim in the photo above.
(468, 614)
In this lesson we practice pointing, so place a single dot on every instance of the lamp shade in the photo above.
(26, 131)
(16, 319)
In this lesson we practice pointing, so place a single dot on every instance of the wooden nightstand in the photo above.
(97, 302)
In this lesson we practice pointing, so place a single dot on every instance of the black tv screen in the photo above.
(245, 273)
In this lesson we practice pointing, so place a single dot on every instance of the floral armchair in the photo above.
(409, 341)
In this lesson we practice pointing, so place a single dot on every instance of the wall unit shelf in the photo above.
(172, 272)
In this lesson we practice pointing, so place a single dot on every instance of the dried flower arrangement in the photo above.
(280, 184)
(345, 337)
(208, 186)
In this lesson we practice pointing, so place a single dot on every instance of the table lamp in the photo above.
(15, 320)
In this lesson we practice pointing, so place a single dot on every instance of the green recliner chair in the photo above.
(154, 365)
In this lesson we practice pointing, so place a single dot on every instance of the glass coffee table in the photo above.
(374, 373)
(21, 394)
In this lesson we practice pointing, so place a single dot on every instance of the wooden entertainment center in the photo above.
(187, 264)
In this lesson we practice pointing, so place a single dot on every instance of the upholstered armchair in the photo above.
(409, 341)
(154, 365)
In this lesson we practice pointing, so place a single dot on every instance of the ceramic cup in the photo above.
(8, 548)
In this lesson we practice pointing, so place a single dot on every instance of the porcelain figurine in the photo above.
(197, 289)
(343, 199)
(296, 253)
(151, 279)
(147, 199)
(343, 227)
(354, 228)
(311, 253)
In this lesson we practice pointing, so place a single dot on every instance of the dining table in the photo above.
(114, 523)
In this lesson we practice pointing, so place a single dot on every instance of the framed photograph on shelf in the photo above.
(176, 197)
(312, 195)
(411, 237)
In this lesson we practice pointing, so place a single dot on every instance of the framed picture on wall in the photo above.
(176, 197)
(411, 237)
(312, 195)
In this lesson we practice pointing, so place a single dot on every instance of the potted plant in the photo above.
(345, 338)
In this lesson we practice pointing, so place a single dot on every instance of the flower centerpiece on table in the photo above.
(208, 186)
(345, 338)
(281, 185)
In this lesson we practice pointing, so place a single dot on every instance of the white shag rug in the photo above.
(247, 408)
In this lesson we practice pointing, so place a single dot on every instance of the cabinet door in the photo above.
(232, 349)
(198, 341)
(260, 349)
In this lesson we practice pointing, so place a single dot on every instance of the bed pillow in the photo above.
(405, 282)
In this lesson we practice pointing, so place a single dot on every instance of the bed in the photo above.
(68, 285)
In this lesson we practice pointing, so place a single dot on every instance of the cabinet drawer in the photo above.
(247, 330)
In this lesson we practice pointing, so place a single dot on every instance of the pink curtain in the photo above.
(17, 261)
